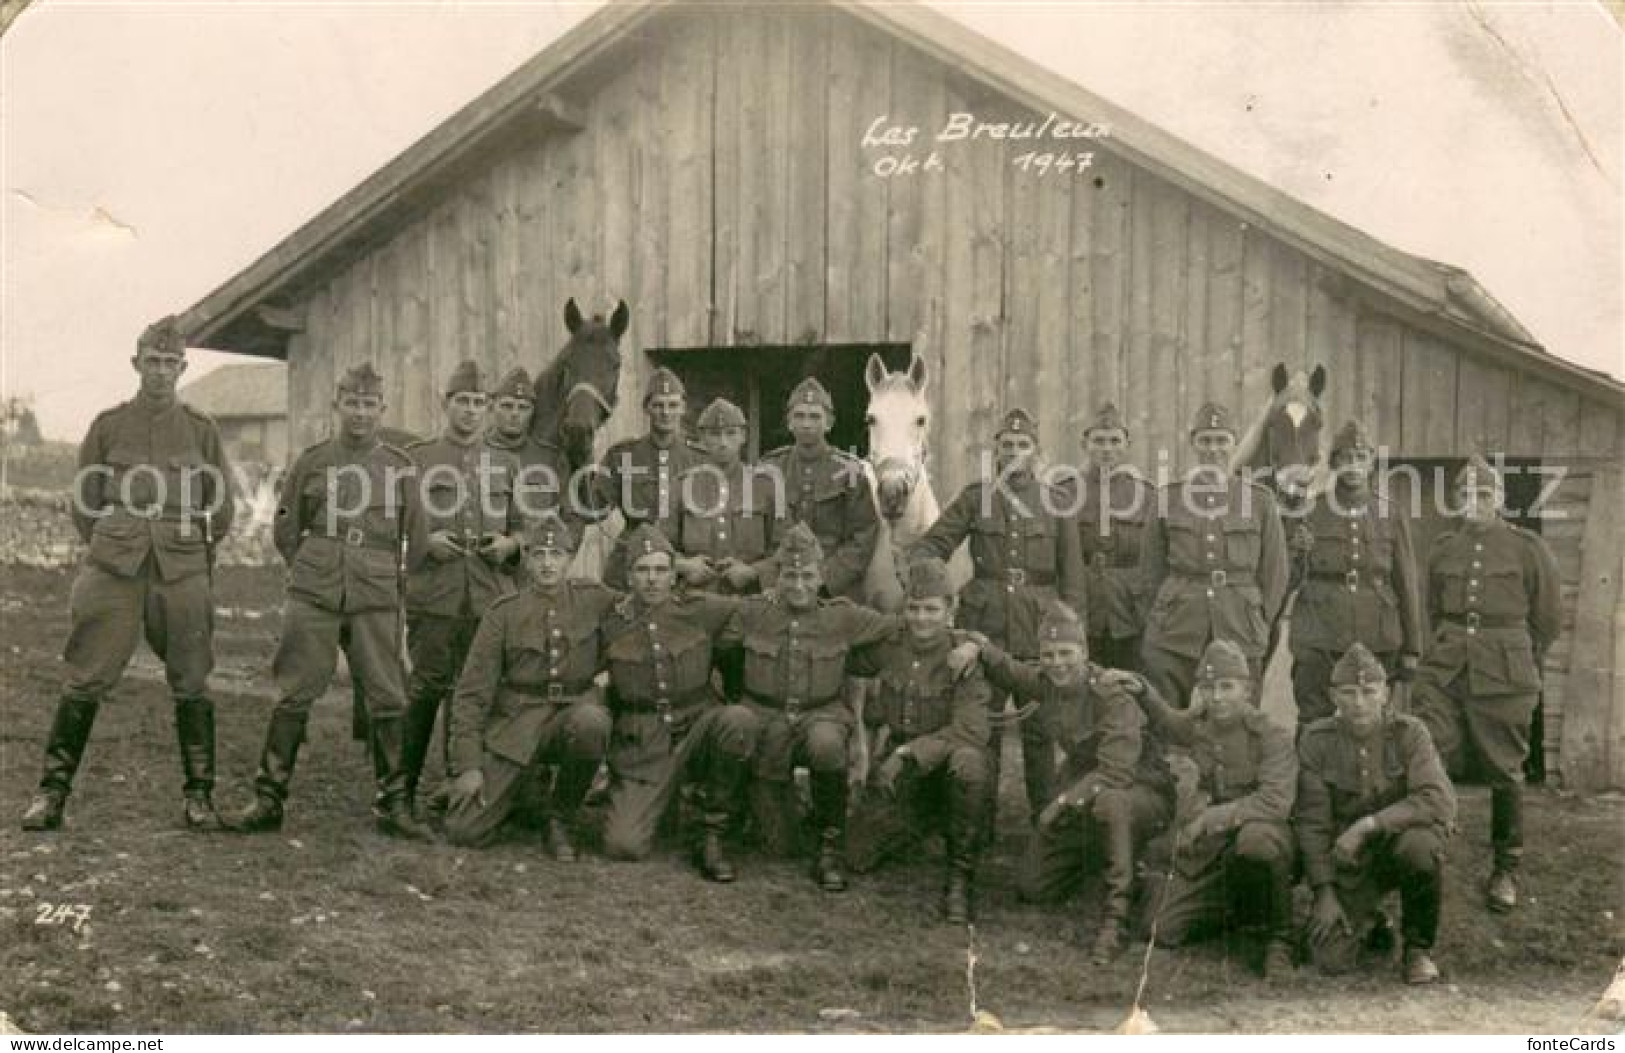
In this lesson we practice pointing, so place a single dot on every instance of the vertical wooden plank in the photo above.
(956, 375)
(916, 219)
(1429, 412)
(572, 215)
(1109, 286)
(1143, 411)
(475, 325)
(647, 151)
(1331, 342)
(506, 309)
(1022, 272)
(386, 284)
(1221, 357)
(761, 55)
(1056, 401)
(807, 38)
(1289, 313)
(1561, 427)
(855, 274)
(988, 229)
(615, 154)
(1379, 388)
(1483, 406)
(540, 305)
(688, 86)
(1167, 386)
(1190, 348)
(410, 355)
(1599, 423)
(1524, 429)
(1085, 394)
(444, 313)
(1250, 391)
(1593, 754)
(727, 140)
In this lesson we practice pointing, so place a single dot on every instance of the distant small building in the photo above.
(250, 403)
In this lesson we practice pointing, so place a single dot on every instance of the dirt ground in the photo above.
(123, 922)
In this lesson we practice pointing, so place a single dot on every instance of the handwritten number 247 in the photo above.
(1044, 163)
(75, 914)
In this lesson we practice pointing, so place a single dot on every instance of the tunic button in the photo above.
(660, 685)
(1478, 547)
(1472, 583)
(916, 665)
(655, 646)
(722, 535)
(557, 632)
(553, 672)
(664, 454)
(795, 624)
(1477, 564)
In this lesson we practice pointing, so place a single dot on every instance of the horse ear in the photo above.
(917, 372)
(572, 315)
(1278, 378)
(874, 372)
(620, 320)
(1317, 381)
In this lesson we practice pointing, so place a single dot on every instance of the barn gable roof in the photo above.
(248, 314)
(239, 390)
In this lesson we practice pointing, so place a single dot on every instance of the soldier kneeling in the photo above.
(1232, 841)
(1374, 811)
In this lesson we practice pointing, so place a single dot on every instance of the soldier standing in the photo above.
(470, 520)
(637, 476)
(152, 497)
(795, 655)
(1232, 831)
(826, 489)
(1114, 505)
(1361, 583)
(928, 724)
(670, 728)
(1374, 811)
(526, 696)
(1026, 557)
(728, 512)
(1494, 601)
(544, 472)
(347, 509)
(1116, 792)
(1214, 563)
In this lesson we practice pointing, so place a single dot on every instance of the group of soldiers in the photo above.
(1118, 628)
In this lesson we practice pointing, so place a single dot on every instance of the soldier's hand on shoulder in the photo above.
(695, 570)
(739, 574)
(499, 549)
(963, 658)
(444, 547)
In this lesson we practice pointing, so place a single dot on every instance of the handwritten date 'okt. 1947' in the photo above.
(885, 133)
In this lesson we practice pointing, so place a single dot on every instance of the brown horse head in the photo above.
(1289, 442)
(577, 392)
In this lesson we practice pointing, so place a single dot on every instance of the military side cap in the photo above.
(1060, 625)
(1358, 666)
(928, 579)
(515, 385)
(811, 393)
(549, 531)
(663, 382)
(163, 335)
(1223, 660)
(800, 548)
(1212, 417)
(466, 377)
(721, 414)
(1017, 422)
(647, 540)
(1107, 418)
(1478, 473)
(1351, 436)
(361, 380)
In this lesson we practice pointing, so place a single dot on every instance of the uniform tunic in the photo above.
(639, 478)
(153, 491)
(726, 514)
(829, 491)
(1113, 510)
(543, 479)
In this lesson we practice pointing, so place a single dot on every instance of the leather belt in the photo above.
(1104, 561)
(1350, 578)
(665, 708)
(793, 707)
(354, 537)
(1218, 579)
(1474, 621)
(1017, 578)
(157, 513)
(552, 692)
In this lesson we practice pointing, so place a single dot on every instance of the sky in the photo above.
(150, 151)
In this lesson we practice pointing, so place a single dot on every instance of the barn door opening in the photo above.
(1523, 491)
(759, 381)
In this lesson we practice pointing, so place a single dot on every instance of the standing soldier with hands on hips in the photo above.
(1114, 503)
(152, 498)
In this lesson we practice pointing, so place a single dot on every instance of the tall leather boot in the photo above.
(967, 819)
(1117, 846)
(1275, 879)
(720, 796)
(194, 729)
(829, 815)
(283, 737)
(1506, 842)
(392, 807)
(417, 731)
(570, 788)
(64, 747)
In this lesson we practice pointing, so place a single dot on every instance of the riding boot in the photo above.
(1275, 877)
(570, 787)
(829, 815)
(720, 796)
(1506, 843)
(417, 730)
(1117, 846)
(967, 803)
(194, 728)
(392, 808)
(283, 737)
(65, 745)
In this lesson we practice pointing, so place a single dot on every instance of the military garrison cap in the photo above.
(1107, 418)
(1358, 666)
(1478, 473)
(800, 548)
(1017, 422)
(163, 335)
(1060, 625)
(1223, 660)
(721, 414)
(1212, 417)
(361, 380)
(928, 579)
(811, 393)
(466, 377)
(1349, 437)
(663, 382)
(549, 531)
(515, 385)
(647, 540)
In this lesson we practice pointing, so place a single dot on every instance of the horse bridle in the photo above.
(592, 392)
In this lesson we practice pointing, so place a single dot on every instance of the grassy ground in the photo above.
(328, 927)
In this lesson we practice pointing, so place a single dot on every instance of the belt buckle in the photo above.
(1351, 578)
(354, 536)
(663, 707)
(555, 692)
(149, 512)
(1015, 576)
(1218, 579)
(792, 710)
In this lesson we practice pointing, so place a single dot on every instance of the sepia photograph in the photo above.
(820, 517)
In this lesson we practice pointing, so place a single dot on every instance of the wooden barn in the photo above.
(778, 190)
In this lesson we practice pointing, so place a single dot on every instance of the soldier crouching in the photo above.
(1232, 841)
(1374, 812)
(928, 723)
(526, 697)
